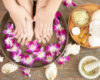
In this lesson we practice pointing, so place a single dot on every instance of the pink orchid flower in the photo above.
(49, 58)
(14, 48)
(58, 14)
(25, 71)
(57, 27)
(40, 55)
(9, 42)
(61, 35)
(68, 3)
(62, 60)
(17, 57)
(32, 47)
(28, 60)
(53, 48)
(10, 30)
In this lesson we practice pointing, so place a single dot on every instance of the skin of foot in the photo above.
(21, 17)
(28, 5)
(45, 14)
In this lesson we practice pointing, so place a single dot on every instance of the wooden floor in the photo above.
(69, 71)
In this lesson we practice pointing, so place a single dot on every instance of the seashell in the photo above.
(9, 68)
(51, 72)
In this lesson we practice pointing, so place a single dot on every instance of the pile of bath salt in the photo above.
(94, 30)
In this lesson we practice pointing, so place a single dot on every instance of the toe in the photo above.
(23, 40)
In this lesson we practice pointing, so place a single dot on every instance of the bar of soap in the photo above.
(76, 31)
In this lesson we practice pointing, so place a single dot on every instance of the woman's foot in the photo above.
(24, 38)
(44, 22)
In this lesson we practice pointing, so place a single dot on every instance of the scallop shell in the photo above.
(9, 68)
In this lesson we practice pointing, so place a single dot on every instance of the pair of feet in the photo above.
(23, 19)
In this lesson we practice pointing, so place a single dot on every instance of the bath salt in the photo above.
(94, 41)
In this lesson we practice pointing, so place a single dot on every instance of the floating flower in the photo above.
(58, 14)
(40, 55)
(68, 3)
(57, 27)
(28, 60)
(25, 71)
(17, 56)
(9, 41)
(14, 48)
(61, 35)
(33, 46)
(10, 30)
(62, 60)
(53, 48)
(49, 58)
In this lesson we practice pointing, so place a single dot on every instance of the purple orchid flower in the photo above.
(53, 48)
(33, 47)
(25, 71)
(40, 55)
(10, 30)
(49, 58)
(14, 48)
(9, 41)
(68, 3)
(28, 60)
(17, 57)
(62, 60)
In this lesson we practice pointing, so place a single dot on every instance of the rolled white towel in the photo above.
(96, 15)
(94, 28)
(94, 41)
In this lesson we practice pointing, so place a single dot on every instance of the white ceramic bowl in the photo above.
(81, 71)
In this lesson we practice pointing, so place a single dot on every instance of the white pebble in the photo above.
(1, 59)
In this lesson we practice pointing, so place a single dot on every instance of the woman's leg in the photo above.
(28, 5)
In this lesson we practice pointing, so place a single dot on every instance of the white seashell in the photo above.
(9, 68)
(96, 15)
(51, 72)
(1, 59)
(73, 49)
(76, 31)
(94, 41)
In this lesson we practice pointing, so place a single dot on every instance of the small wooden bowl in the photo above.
(89, 14)
(91, 8)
